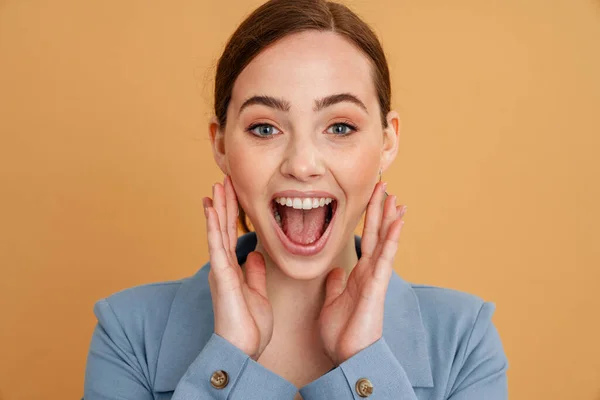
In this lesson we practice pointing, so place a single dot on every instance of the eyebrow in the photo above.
(320, 104)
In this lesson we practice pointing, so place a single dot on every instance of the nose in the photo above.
(303, 161)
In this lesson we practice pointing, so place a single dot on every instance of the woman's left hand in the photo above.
(352, 315)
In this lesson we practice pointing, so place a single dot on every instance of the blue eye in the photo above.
(341, 129)
(263, 130)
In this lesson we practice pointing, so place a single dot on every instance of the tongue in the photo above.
(303, 226)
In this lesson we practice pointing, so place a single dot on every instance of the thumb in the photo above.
(334, 285)
(256, 273)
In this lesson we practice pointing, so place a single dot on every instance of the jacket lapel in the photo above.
(404, 332)
(189, 326)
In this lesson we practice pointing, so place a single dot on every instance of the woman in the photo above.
(301, 308)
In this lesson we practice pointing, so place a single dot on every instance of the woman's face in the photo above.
(304, 124)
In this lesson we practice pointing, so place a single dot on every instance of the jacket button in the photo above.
(219, 379)
(364, 387)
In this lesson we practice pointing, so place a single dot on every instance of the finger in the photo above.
(370, 235)
(220, 208)
(231, 225)
(207, 202)
(390, 213)
(256, 274)
(231, 206)
(334, 285)
(227, 276)
(218, 256)
(385, 262)
(402, 211)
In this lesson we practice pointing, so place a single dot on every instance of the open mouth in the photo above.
(303, 224)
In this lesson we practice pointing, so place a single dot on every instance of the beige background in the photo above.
(104, 159)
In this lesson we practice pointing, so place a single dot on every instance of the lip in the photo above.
(301, 195)
(296, 248)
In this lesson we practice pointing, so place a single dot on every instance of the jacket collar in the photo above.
(191, 323)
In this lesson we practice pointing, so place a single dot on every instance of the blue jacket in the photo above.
(157, 342)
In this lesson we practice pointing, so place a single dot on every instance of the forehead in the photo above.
(304, 66)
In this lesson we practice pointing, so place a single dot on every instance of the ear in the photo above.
(391, 136)
(217, 141)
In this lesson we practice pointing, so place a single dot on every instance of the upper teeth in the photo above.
(305, 203)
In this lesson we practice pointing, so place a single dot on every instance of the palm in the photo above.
(342, 326)
(251, 315)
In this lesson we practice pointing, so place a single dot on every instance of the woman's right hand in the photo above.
(243, 313)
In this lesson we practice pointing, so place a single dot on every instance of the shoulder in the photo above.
(454, 319)
(461, 335)
(158, 328)
(441, 307)
(144, 296)
(142, 312)
(137, 311)
(138, 300)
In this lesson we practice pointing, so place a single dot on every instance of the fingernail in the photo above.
(205, 212)
(401, 212)
(384, 186)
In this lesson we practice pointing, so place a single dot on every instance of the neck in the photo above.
(297, 303)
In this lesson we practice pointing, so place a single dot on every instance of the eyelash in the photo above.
(353, 128)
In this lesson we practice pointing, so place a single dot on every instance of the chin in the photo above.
(303, 268)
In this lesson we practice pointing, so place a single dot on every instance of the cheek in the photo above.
(357, 177)
(358, 173)
(250, 172)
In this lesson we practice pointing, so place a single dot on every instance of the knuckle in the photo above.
(370, 230)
